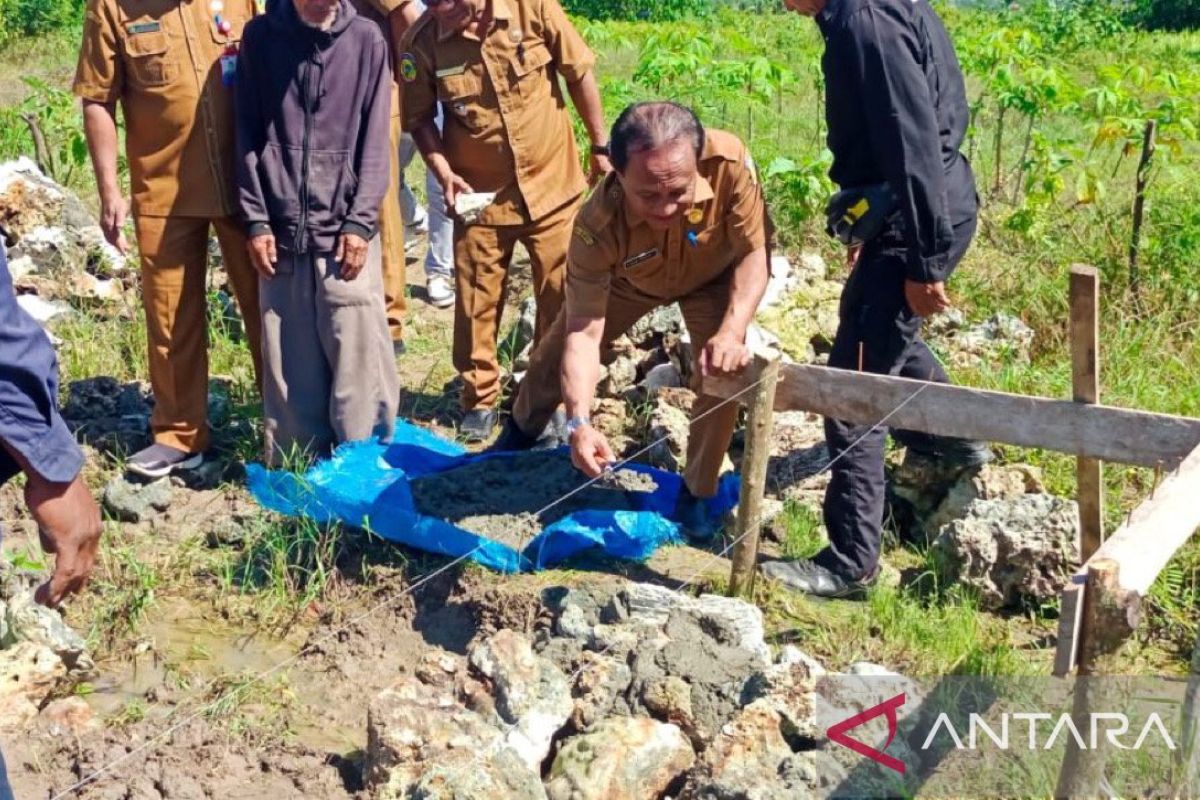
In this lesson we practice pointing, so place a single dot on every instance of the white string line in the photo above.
(489, 751)
(233, 692)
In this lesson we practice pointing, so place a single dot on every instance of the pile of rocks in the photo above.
(38, 653)
(629, 694)
(59, 259)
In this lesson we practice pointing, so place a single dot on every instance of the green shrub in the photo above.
(34, 17)
(649, 10)
(1171, 15)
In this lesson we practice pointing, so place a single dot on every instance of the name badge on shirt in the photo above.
(451, 71)
(145, 27)
(640, 258)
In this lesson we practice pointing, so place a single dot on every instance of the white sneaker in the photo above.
(439, 292)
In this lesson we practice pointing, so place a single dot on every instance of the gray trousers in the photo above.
(329, 370)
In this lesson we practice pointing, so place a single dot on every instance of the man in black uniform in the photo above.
(896, 111)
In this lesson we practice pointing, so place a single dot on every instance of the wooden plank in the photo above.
(1110, 434)
(1157, 528)
(759, 425)
(1085, 382)
(1070, 614)
(1142, 547)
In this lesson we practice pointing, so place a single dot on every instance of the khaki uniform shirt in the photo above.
(726, 222)
(507, 129)
(162, 60)
(378, 12)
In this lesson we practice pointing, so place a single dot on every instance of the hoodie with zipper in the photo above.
(312, 110)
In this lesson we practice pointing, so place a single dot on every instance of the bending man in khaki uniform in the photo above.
(171, 65)
(494, 66)
(682, 219)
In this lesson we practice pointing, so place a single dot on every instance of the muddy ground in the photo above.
(209, 686)
(512, 498)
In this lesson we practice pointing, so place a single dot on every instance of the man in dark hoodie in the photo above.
(313, 107)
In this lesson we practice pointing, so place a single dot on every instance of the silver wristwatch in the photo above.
(575, 423)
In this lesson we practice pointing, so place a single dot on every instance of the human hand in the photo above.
(262, 253)
(725, 353)
(114, 210)
(453, 185)
(852, 254)
(590, 452)
(351, 254)
(926, 299)
(69, 527)
(601, 166)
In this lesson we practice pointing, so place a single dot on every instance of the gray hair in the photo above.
(648, 126)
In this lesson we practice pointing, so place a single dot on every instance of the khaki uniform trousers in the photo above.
(482, 254)
(713, 420)
(174, 253)
(330, 375)
(391, 238)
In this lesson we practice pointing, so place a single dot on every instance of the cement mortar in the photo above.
(501, 498)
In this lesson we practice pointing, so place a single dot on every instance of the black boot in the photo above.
(805, 575)
(478, 425)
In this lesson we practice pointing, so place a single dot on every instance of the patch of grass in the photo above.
(804, 532)
(125, 587)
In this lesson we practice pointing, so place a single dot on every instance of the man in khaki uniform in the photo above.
(171, 65)
(494, 65)
(681, 220)
(391, 224)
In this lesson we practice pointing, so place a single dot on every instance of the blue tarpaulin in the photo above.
(365, 485)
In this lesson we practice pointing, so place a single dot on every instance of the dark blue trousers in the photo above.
(874, 313)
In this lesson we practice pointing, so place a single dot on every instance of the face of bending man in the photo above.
(316, 12)
(659, 183)
(454, 15)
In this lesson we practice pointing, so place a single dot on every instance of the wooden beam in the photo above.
(1070, 614)
(1141, 547)
(1103, 635)
(1111, 434)
(1085, 381)
(759, 425)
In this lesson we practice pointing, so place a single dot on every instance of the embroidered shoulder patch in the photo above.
(408, 68)
(585, 235)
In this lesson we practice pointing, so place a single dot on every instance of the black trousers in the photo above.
(874, 314)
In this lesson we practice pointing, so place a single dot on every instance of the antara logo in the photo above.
(837, 733)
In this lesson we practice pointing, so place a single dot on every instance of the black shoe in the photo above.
(963, 453)
(398, 347)
(478, 425)
(512, 438)
(805, 575)
(160, 460)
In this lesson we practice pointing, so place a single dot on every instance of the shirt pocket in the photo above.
(529, 71)
(279, 174)
(460, 95)
(147, 54)
(331, 186)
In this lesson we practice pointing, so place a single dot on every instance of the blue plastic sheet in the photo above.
(365, 485)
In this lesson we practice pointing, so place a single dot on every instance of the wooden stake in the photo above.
(1139, 202)
(1106, 627)
(759, 423)
(1085, 379)
(1189, 751)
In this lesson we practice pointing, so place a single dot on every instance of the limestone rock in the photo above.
(26, 621)
(999, 337)
(624, 758)
(1012, 551)
(533, 698)
(669, 430)
(68, 716)
(503, 775)
(413, 728)
(135, 502)
(620, 374)
(664, 321)
(600, 681)
(28, 674)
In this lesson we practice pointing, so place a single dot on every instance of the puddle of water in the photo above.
(179, 647)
